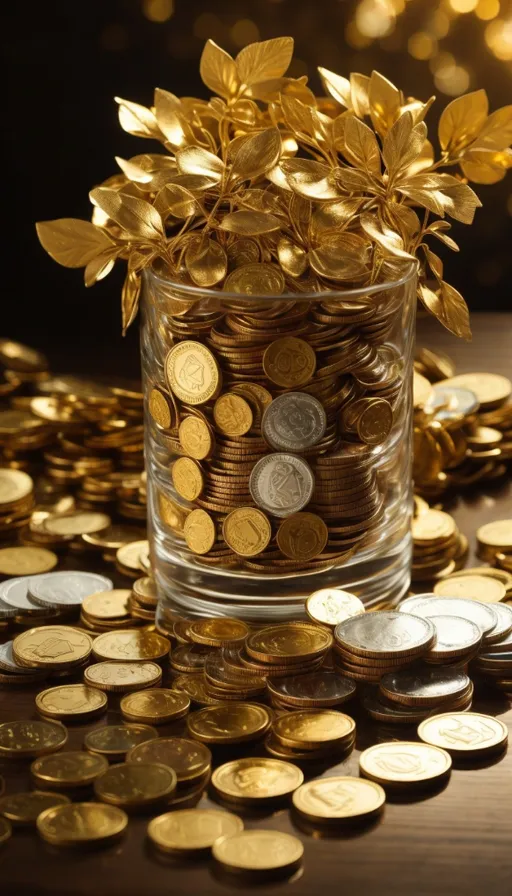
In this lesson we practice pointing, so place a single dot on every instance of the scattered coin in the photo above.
(229, 724)
(494, 537)
(132, 646)
(9, 664)
(76, 522)
(218, 632)
(26, 561)
(123, 677)
(405, 763)
(288, 643)
(424, 685)
(71, 701)
(52, 647)
(134, 785)
(385, 634)
(107, 605)
(491, 389)
(66, 589)
(427, 605)
(339, 798)
(255, 279)
(232, 415)
(316, 689)
(15, 486)
(130, 556)
(258, 851)
(67, 770)
(156, 707)
(189, 759)
(471, 587)
(115, 741)
(455, 637)
(330, 606)
(191, 831)
(464, 734)
(23, 809)
(80, 823)
(187, 478)
(313, 728)
(256, 780)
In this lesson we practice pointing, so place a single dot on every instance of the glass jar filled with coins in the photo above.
(278, 439)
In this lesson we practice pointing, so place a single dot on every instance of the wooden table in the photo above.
(457, 841)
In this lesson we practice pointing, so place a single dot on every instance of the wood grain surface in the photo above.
(457, 842)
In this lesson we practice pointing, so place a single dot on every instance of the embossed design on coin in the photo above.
(387, 633)
(114, 741)
(247, 531)
(258, 850)
(336, 798)
(404, 763)
(135, 784)
(294, 421)
(464, 733)
(157, 706)
(31, 738)
(288, 643)
(281, 484)
(24, 808)
(256, 779)
(192, 372)
(122, 677)
(66, 589)
(195, 437)
(311, 728)
(160, 409)
(74, 768)
(187, 831)
(302, 536)
(482, 615)
(225, 724)
(187, 478)
(131, 645)
(81, 823)
(289, 362)
(52, 646)
(330, 606)
(199, 531)
(424, 685)
(232, 414)
(255, 280)
(71, 701)
(189, 759)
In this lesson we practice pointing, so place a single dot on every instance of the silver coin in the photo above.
(314, 689)
(66, 589)
(424, 685)
(451, 403)
(427, 605)
(14, 592)
(384, 634)
(455, 636)
(294, 421)
(281, 484)
(6, 612)
(402, 715)
(502, 646)
(504, 627)
(9, 664)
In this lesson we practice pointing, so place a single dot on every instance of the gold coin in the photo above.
(130, 555)
(374, 424)
(232, 414)
(289, 362)
(157, 706)
(123, 677)
(187, 478)
(22, 358)
(464, 733)
(189, 759)
(432, 526)
(145, 591)
(288, 642)
(192, 372)
(130, 645)
(52, 647)
(255, 280)
(23, 808)
(329, 606)
(115, 741)
(15, 486)
(108, 604)
(218, 632)
(404, 762)
(26, 561)
(258, 850)
(114, 537)
(81, 823)
(491, 389)
(195, 438)
(160, 408)
(302, 536)
(247, 531)
(5, 830)
(29, 738)
(71, 701)
(76, 522)
(229, 724)
(133, 785)
(255, 780)
(199, 531)
(339, 798)
(74, 768)
(172, 514)
(195, 687)
(189, 831)
(311, 728)
(496, 535)
(474, 587)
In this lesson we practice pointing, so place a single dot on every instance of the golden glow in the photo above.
(354, 37)
(440, 23)
(441, 61)
(375, 18)
(244, 32)
(452, 80)
(158, 10)
(498, 37)
(421, 45)
(487, 9)
(463, 5)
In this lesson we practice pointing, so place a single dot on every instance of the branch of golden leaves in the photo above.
(337, 190)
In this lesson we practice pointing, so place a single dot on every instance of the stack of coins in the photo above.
(143, 599)
(426, 688)
(438, 546)
(494, 543)
(104, 611)
(307, 735)
(16, 500)
(366, 647)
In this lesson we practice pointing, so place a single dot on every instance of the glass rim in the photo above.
(360, 292)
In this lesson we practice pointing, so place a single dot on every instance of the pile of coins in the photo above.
(462, 426)
(272, 418)
(438, 547)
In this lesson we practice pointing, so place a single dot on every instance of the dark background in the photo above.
(67, 59)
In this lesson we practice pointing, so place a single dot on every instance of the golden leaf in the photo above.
(250, 223)
(434, 262)
(361, 147)
(496, 133)
(486, 166)
(138, 120)
(130, 299)
(417, 109)
(72, 242)
(218, 71)
(309, 179)
(423, 161)
(264, 60)
(206, 262)
(449, 307)
(331, 216)
(386, 238)
(445, 239)
(136, 216)
(278, 177)
(292, 258)
(195, 182)
(338, 131)
(140, 258)
(337, 86)
(404, 219)
(297, 116)
(133, 171)
(403, 144)
(359, 87)
(170, 120)
(385, 102)
(196, 160)
(462, 120)
(177, 201)
(99, 267)
(340, 258)
(256, 154)
(459, 200)
(151, 162)
(351, 179)
(263, 201)
(424, 189)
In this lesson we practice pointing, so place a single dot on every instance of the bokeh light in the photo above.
(158, 10)
(498, 37)
(487, 9)
(422, 45)
(375, 18)
(463, 6)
